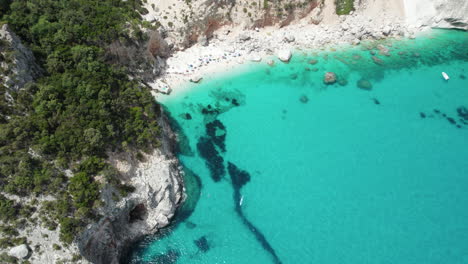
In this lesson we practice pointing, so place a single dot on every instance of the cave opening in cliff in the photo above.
(138, 213)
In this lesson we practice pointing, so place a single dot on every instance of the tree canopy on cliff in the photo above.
(82, 107)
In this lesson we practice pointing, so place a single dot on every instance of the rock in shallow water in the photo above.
(364, 84)
(329, 78)
(202, 244)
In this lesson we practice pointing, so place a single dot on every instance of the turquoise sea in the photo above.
(282, 168)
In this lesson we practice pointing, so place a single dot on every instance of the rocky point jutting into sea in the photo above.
(195, 40)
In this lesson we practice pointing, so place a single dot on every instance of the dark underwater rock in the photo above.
(451, 120)
(170, 257)
(342, 81)
(202, 244)
(376, 101)
(364, 84)
(313, 62)
(422, 115)
(217, 132)
(214, 161)
(463, 112)
(190, 225)
(238, 177)
(304, 99)
(188, 116)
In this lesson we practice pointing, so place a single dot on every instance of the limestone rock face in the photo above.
(19, 252)
(158, 192)
(23, 67)
(438, 13)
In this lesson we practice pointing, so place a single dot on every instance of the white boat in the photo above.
(445, 75)
(241, 200)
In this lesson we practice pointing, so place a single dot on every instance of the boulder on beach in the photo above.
(243, 37)
(19, 252)
(256, 58)
(289, 38)
(329, 78)
(284, 55)
(364, 84)
(196, 79)
(271, 62)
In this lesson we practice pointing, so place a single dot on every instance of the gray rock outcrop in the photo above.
(21, 63)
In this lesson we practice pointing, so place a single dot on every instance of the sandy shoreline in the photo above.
(232, 47)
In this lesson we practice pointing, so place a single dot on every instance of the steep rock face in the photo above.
(17, 63)
(438, 13)
(189, 22)
(158, 192)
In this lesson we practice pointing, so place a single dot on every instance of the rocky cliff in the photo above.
(438, 13)
(158, 192)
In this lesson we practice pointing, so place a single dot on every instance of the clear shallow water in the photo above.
(350, 176)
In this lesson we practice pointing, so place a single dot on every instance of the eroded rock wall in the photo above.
(437, 13)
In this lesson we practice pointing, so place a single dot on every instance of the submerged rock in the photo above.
(342, 82)
(383, 50)
(304, 99)
(329, 78)
(463, 113)
(238, 177)
(364, 84)
(313, 62)
(213, 160)
(377, 60)
(202, 244)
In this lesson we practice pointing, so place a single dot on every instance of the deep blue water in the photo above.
(326, 173)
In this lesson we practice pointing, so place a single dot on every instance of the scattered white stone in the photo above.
(19, 252)
(284, 55)
(256, 58)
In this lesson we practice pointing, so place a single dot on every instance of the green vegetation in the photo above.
(344, 7)
(82, 107)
